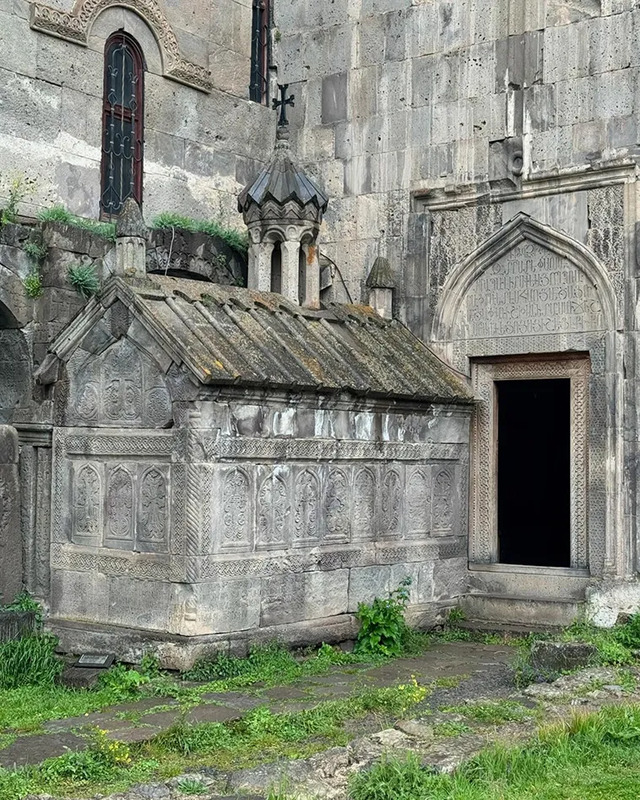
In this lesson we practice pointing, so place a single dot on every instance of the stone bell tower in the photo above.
(283, 209)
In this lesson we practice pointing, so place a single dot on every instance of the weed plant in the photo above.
(84, 280)
(192, 786)
(494, 712)
(29, 661)
(382, 624)
(235, 239)
(15, 188)
(60, 214)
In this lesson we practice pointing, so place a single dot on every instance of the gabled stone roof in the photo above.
(230, 335)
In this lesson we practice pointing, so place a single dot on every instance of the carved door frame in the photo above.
(483, 533)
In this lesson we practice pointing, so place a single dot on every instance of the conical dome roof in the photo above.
(282, 181)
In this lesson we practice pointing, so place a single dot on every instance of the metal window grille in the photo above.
(261, 23)
(122, 124)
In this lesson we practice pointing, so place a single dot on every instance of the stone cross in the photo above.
(282, 104)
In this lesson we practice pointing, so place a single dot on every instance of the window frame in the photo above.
(260, 51)
(121, 113)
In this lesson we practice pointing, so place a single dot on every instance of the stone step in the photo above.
(514, 610)
(526, 582)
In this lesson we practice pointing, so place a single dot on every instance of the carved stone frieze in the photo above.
(237, 509)
(306, 509)
(213, 447)
(75, 26)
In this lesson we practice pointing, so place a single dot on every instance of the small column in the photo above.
(10, 535)
(290, 267)
(131, 242)
(311, 289)
(260, 266)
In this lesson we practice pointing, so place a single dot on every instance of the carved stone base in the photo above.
(180, 652)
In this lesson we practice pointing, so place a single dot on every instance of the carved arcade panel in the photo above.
(265, 507)
(121, 506)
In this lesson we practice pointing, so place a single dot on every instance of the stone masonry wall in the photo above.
(201, 147)
(403, 99)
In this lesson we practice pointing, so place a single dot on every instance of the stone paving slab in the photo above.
(28, 750)
(443, 660)
(212, 713)
(134, 735)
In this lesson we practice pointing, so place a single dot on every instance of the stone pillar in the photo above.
(10, 539)
(381, 301)
(259, 278)
(290, 267)
(311, 289)
(131, 242)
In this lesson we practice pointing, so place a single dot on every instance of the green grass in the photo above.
(590, 758)
(259, 737)
(494, 712)
(235, 239)
(270, 664)
(450, 730)
(60, 214)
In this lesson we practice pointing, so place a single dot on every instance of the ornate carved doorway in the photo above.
(529, 461)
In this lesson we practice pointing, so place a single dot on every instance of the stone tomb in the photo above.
(228, 467)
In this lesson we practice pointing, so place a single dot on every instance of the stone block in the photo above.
(295, 597)
(10, 537)
(334, 98)
(367, 583)
(228, 605)
(555, 657)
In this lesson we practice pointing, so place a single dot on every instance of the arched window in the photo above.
(276, 268)
(259, 87)
(122, 124)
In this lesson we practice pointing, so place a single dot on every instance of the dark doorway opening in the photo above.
(534, 472)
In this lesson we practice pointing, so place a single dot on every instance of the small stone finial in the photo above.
(130, 222)
(131, 241)
(381, 275)
(381, 283)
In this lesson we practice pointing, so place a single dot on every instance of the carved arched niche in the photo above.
(533, 303)
(75, 26)
(527, 289)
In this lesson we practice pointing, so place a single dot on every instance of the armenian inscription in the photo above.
(531, 290)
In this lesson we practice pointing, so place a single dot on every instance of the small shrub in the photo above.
(84, 280)
(29, 661)
(122, 682)
(149, 666)
(235, 239)
(33, 284)
(628, 634)
(35, 251)
(382, 624)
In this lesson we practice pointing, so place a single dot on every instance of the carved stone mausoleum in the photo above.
(426, 364)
